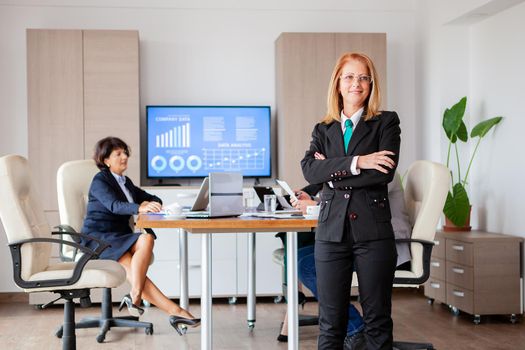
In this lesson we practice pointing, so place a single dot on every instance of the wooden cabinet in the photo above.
(477, 272)
(82, 85)
(303, 66)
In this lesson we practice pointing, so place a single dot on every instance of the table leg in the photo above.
(206, 302)
(183, 258)
(251, 281)
(293, 311)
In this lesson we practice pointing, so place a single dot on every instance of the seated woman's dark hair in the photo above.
(104, 147)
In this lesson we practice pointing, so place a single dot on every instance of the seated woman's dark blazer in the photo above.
(109, 212)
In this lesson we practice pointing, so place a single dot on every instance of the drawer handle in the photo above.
(458, 247)
(435, 264)
(458, 293)
(458, 270)
(435, 285)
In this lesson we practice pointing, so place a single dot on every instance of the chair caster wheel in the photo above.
(232, 300)
(278, 299)
(513, 319)
(251, 325)
(149, 330)
(455, 311)
(101, 338)
(430, 301)
(59, 332)
(184, 329)
(477, 319)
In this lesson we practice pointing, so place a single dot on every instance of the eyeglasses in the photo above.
(361, 79)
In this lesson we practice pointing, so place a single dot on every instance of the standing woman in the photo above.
(113, 200)
(361, 147)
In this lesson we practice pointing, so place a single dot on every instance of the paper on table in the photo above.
(287, 188)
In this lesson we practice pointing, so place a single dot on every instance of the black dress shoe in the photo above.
(281, 337)
(178, 322)
(356, 341)
(133, 309)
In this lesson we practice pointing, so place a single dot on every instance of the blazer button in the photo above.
(381, 205)
(344, 172)
(339, 173)
(346, 196)
(353, 216)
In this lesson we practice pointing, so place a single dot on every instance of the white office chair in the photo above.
(73, 182)
(29, 238)
(426, 189)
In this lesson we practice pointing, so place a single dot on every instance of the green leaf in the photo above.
(457, 205)
(453, 118)
(484, 127)
(462, 133)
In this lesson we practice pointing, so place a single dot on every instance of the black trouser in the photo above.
(375, 263)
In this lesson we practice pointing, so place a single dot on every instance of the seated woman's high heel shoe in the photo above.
(133, 309)
(301, 299)
(282, 337)
(178, 322)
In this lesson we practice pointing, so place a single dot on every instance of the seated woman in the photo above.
(113, 200)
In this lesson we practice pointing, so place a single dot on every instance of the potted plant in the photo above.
(457, 205)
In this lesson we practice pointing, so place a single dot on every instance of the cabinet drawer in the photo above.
(459, 252)
(435, 289)
(460, 275)
(438, 250)
(437, 268)
(461, 298)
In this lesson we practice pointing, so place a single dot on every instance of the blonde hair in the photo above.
(334, 101)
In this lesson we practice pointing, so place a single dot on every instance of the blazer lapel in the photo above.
(360, 131)
(335, 135)
(115, 185)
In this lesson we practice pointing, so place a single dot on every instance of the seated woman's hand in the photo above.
(300, 195)
(379, 161)
(149, 207)
(303, 204)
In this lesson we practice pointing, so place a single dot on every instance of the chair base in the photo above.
(403, 345)
(106, 321)
(308, 320)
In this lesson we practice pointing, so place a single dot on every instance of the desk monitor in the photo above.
(192, 141)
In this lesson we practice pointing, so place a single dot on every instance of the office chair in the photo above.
(426, 188)
(73, 181)
(29, 238)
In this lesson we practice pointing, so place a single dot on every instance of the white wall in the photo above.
(475, 51)
(204, 52)
(498, 75)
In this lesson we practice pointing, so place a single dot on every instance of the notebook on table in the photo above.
(220, 195)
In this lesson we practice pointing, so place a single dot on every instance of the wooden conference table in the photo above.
(252, 225)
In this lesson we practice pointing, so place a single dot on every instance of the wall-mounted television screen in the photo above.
(192, 141)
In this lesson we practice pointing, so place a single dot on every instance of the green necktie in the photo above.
(348, 133)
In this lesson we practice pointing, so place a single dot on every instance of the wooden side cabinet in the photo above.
(477, 272)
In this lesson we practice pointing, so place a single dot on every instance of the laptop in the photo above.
(220, 195)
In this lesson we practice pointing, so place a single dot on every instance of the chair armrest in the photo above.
(15, 248)
(101, 244)
(427, 252)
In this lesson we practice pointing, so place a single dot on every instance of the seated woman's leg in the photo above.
(136, 263)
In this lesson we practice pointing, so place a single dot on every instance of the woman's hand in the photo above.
(379, 161)
(302, 204)
(300, 195)
(149, 207)
(319, 156)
